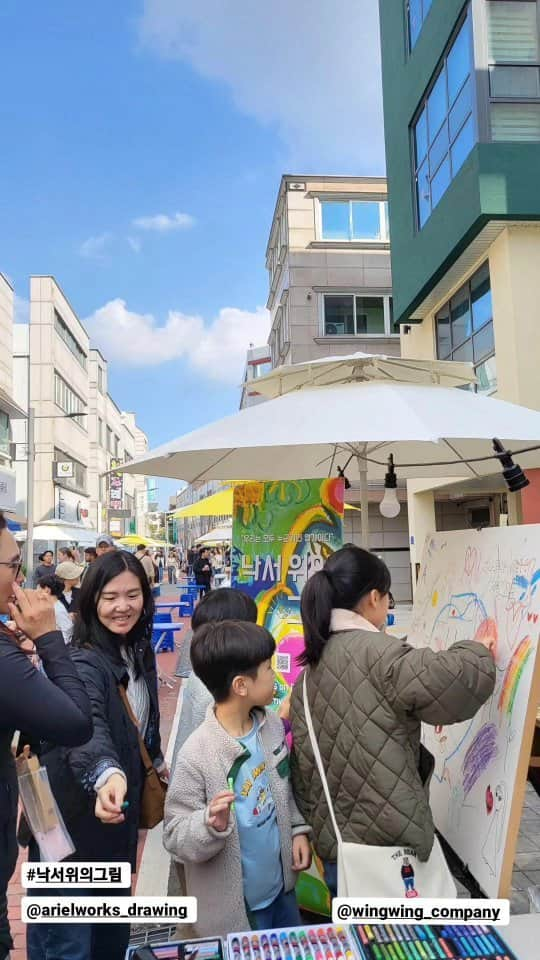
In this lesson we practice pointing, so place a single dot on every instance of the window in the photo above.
(67, 399)
(354, 220)
(347, 315)
(100, 431)
(4, 433)
(443, 132)
(78, 481)
(417, 13)
(109, 440)
(100, 378)
(464, 328)
(116, 446)
(514, 69)
(260, 369)
(66, 335)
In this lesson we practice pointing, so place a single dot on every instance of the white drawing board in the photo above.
(475, 583)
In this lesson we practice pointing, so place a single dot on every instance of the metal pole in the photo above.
(30, 443)
(364, 503)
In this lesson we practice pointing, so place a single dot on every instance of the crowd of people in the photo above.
(244, 806)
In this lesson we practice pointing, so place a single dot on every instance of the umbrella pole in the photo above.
(364, 503)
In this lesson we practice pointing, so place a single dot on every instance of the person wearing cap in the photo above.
(104, 544)
(70, 573)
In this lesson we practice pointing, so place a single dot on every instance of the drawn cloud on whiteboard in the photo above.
(482, 751)
(514, 672)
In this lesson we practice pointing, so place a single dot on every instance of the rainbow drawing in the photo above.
(514, 672)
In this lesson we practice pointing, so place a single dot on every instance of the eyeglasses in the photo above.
(15, 565)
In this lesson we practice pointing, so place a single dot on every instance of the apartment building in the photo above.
(10, 412)
(461, 84)
(258, 363)
(328, 261)
(79, 431)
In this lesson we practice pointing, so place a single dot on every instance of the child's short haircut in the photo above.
(222, 651)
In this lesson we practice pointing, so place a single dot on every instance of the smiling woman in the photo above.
(51, 706)
(99, 786)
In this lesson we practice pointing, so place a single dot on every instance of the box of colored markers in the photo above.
(396, 941)
(311, 942)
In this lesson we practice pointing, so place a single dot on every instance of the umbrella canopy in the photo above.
(217, 535)
(133, 540)
(219, 504)
(362, 366)
(59, 531)
(310, 432)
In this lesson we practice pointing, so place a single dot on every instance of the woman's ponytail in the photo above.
(348, 576)
(316, 606)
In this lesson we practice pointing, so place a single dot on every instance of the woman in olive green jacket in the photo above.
(368, 693)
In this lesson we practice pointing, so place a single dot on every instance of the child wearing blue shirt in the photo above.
(230, 814)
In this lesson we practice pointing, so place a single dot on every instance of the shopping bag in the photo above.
(41, 810)
(366, 870)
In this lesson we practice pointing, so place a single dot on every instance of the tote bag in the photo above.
(371, 871)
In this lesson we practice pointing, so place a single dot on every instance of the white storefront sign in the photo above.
(71, 507)
(7, 489)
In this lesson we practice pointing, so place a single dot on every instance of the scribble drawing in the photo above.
(482, 751)
(526, 585)
(513, 675)
(448, 742)
(493, 844)
(459, 619)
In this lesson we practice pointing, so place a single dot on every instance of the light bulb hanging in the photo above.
(390, 506)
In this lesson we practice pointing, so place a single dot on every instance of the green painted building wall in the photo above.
(497, 181)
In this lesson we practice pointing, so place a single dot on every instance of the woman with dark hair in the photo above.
(52, 704)
(367, 693)
(99, 786)
(215, 606)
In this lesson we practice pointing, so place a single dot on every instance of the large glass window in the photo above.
(347, 315)
(354, 220)
(514, 69)
(66, 335)
(444, 133)
(67, 399)
(464, 328)
(417, 13)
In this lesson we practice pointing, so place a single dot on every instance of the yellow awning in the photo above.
(219, 504)
(133, 540)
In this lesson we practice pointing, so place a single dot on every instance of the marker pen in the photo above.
(413, 946)
(445, 948)
(363, 935)
(369, 931)
(377, 952)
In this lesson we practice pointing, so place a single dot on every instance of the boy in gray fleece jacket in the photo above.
(230, 815)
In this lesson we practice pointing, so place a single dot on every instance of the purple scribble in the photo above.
(481, 752)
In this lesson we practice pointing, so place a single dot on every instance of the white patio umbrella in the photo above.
(362, 366)
(310, 432)
(221, 534)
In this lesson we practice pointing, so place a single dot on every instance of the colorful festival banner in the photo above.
(283, 531)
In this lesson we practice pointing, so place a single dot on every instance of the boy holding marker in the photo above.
(230, 815)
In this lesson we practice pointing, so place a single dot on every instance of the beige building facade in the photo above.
(79, 431)
(328, 262)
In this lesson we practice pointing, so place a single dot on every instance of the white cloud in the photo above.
(135, 244)
(22, 309)
(311, 70)
(216, 349)
(94, 248)
(163, 223)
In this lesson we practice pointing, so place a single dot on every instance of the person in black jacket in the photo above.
(53, 704)
(202, 568)
(112, 637)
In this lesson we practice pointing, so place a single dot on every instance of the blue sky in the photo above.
(142, 148)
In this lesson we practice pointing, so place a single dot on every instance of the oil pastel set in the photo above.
(311, 942)
(394, 941)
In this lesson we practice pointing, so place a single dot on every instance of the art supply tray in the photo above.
(396, 941)
(323, 941)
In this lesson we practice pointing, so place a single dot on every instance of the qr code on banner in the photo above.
(283, 662)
